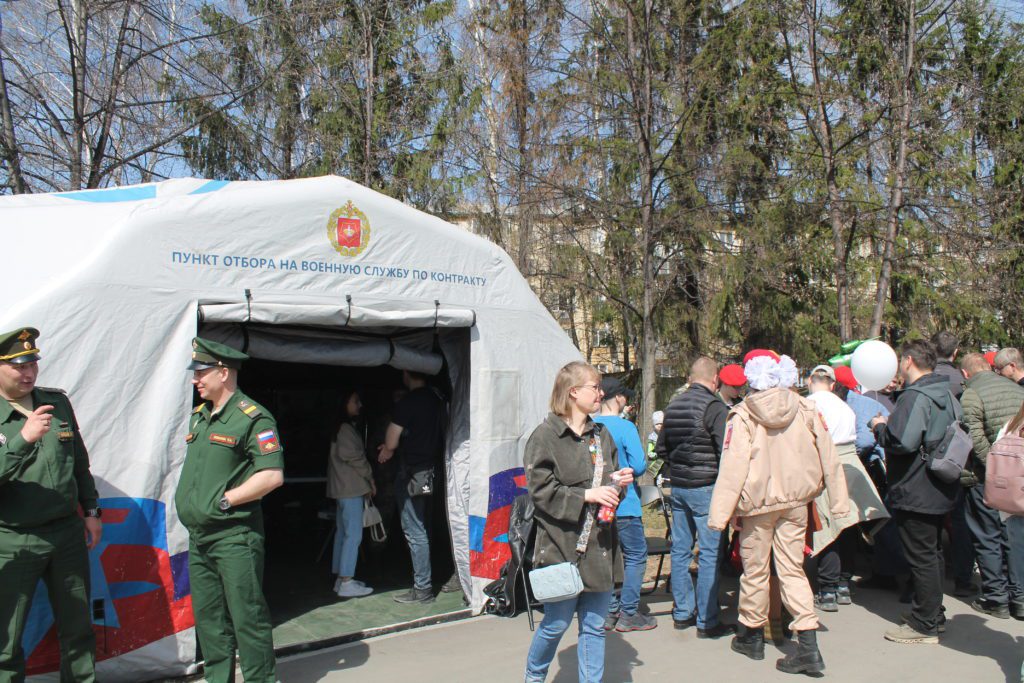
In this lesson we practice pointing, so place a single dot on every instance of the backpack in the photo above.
(1004, 474)
(948, 457)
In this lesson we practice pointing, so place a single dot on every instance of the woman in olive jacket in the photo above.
(560, 462)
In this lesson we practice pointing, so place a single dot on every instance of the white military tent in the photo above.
(320, 270)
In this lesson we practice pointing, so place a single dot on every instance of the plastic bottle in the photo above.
(606, 515)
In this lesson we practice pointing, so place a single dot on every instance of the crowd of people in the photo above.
(819, 489)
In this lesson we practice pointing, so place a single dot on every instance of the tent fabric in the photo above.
(118, 284)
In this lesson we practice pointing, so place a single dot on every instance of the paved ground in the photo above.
(975, 648)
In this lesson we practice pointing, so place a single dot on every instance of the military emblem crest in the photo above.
(348, 229)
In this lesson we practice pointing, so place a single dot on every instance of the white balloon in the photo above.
(874, 365)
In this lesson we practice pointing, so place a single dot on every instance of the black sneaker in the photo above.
(422, 596)
(716, 631)
(682, 624)
(1017, 611)
(993, 609)
(452, 585)
(636, 622)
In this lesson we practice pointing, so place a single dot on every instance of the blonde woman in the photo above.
(561, 459)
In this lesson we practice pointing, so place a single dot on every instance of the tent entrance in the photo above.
(299, 374)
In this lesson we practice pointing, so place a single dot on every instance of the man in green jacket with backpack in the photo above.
(989, 402)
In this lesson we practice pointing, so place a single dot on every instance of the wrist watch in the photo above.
(225, 505)
(94, 512)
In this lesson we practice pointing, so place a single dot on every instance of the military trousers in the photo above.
(226, 575)
(56, 554)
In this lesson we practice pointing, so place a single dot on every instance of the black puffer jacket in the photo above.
(691, 437)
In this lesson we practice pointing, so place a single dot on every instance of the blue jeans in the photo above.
(634, 558)
(991, 546)
(591, 610)
(415, 515)
(690, 517)
(348, 534)
(1015, 535)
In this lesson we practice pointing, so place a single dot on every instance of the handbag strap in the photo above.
(588, 520)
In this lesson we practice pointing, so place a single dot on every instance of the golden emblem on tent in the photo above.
(348, 229)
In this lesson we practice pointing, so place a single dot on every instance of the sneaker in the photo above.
(993, 609)
(843, 594)
(416, 595)
(826, 602)
(940, 627)
(682, 624)
(965, 589)
(611, 620)
(716, 631)
(1017, 611)
(352, 589)
(910, 636)
(636, 622)
(452, 585)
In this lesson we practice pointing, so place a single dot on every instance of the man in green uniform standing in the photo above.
(234, 458)
(44, 477)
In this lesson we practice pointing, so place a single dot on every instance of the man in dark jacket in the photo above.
(917, 498)
(961, 548)
(691, 444)
(989, 401)
(947, 346)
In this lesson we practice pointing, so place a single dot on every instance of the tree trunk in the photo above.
(11, 152)
(898, 174)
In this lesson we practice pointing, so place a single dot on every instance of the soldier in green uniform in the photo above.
(234, 458)
(44, 478)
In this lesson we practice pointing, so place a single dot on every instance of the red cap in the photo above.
(760, 352)
(732, 375)
(844, 375)
(991, 358)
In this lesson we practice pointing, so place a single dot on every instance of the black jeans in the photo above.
(835, 563)
(919, 534)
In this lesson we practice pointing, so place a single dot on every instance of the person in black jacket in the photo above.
(691, 444)
(918, 499)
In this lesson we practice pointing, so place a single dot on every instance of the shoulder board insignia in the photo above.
(198, 408)
(251, 410)
(53, 389)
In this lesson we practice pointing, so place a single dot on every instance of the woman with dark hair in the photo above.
(349, 481)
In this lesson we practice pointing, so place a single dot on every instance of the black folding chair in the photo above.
(657, 545)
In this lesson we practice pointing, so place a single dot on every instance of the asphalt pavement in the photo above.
(485, 649)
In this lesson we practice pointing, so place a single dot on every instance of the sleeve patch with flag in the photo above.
(823, 423)
(728, 437)
(268, 441)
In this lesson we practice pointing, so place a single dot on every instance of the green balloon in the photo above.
(840, 359)
(851, 346)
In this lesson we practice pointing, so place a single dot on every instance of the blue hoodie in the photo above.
(631, 454)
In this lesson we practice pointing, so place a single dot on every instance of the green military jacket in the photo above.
(43, 481)
(224, 450)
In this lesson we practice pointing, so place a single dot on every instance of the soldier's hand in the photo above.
(93, 532)
(37, 424)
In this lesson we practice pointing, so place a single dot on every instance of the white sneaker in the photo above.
(352, 589)
(338, 582)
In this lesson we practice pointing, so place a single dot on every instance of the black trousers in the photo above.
(919, 534)
(835, 563)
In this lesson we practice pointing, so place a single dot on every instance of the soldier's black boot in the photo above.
(806, 659)
(749, 641)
